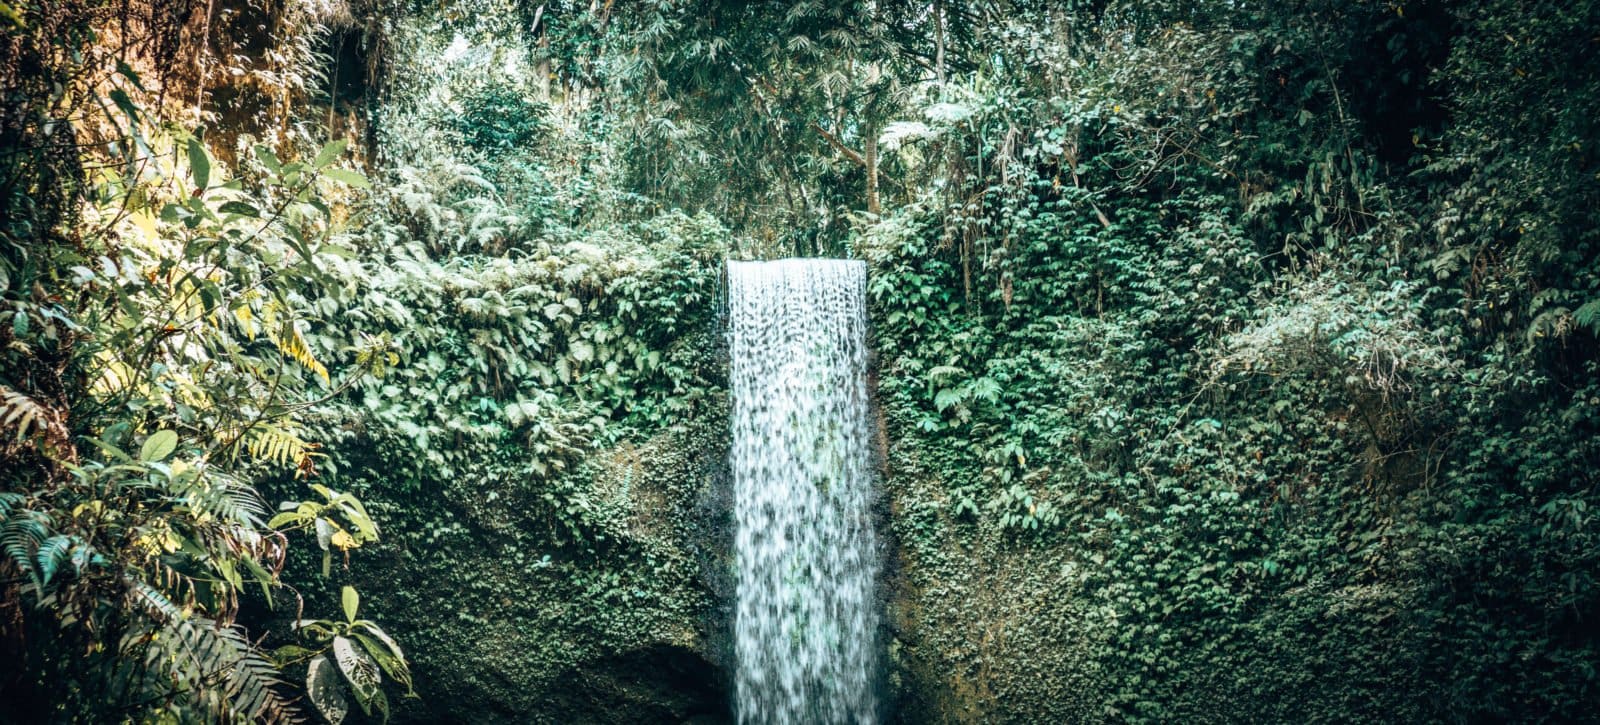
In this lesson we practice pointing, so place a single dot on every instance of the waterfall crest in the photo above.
(806, 620)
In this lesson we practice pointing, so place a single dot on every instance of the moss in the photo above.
(508, 617)
(985, 631)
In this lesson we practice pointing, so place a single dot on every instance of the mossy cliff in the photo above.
(1232, 362)
(623, 627)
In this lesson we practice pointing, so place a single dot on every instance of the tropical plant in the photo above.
(359, 650)
(176, 328)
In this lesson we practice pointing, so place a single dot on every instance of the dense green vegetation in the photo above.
(1234, 361)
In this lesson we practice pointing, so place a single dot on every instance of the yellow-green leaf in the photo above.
(347, 176)
(351, 600)
(199, 164)
(158, 446)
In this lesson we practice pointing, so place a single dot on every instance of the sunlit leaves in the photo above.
(158, 446)
(346, 176)
(339, 521)
(199, 165)
(351, 601)
(329, 153)
(292, 342)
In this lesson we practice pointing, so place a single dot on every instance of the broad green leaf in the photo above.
(199, 164)
(126, 71)
(376, 631)
(242, 208)
(324, 532)
(269, 159)
(289, 653)
(158, 446)
(322, 685)
(287, 517)
(393, 666)
(336, 250)
(120, 98)
(350, 600)
(359, 670)
(380, 702)
(348, 177)
(329, 153)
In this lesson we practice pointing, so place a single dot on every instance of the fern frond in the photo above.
(280, 445)
(55, 551)
(1588, 315)
(8, 501)
(170, 584)
(227, 499)
(293, 344)
(210, 665)
(21, 535)
(31, 419)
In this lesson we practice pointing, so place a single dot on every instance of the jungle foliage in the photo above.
(1236, 361)
(1254, 355)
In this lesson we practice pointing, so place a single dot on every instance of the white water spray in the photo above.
(806, 619)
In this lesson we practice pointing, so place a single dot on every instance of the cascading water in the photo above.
(806, 622)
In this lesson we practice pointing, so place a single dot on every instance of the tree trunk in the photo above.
(870, 149)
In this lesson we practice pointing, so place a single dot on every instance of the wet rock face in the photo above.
(537, 629)
(657, 684)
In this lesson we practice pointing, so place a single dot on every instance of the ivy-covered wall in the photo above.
(546, 457)
(549, 452)
(1205, 402)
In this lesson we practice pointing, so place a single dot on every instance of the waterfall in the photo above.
(805, 626)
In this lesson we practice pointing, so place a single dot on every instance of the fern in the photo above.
(210, 665)
(292, 343)
(280, 445)
(173, 584)
(232, 500)
(10, 500)
(1588, 315)
(21, 535)
(52, 553)
(30, 419)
